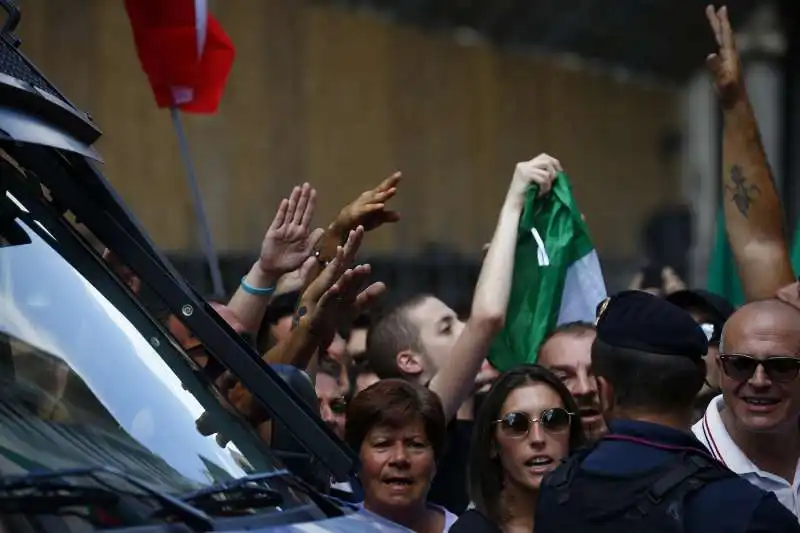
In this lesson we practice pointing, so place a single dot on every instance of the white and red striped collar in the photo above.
(712, 433)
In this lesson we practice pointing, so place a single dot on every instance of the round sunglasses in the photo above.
(741, 367)
(517, 424)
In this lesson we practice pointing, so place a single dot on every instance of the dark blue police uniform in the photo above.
(731, 504)
(644, 476)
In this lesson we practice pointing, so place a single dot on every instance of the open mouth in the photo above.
(398, 482)
(588, 412)
(539, 461)
(760, 402)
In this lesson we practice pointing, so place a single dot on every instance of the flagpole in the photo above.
(200, 212)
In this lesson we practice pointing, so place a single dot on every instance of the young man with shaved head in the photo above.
(753, 426)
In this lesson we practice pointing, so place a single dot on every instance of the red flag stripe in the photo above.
(167, 38)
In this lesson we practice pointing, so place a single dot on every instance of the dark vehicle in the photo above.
(99, 404)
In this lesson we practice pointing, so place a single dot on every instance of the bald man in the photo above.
(753, 426)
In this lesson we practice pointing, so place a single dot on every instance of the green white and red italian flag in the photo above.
(557, 275)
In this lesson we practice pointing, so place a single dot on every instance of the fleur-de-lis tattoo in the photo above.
(742, 193)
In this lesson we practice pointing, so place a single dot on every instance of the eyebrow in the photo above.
(446, 320)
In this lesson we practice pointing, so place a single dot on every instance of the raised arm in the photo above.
(454, 382)
(334, 296)
(369, 210)
(287, 244)
(753, 214)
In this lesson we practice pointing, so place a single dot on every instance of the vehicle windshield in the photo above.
(81, 386)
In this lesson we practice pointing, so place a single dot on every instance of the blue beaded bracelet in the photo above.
(255, 291)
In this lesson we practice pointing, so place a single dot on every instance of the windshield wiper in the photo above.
(328, 505)
(48, 490)
(246, 492)
(52, 496)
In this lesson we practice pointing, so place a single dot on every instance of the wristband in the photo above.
(255, 291)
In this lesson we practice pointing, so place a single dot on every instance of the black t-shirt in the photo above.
(449, 488)
(473, 521)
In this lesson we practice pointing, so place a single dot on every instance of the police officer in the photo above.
(650, 473)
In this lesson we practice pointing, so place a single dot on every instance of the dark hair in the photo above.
(395, 403)
(392, 332)
(485, 473)
(330, 367)
(359, 368)
(281, 306)
(645, 382)
(362, 321)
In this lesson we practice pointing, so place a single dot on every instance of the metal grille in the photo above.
(13, 63)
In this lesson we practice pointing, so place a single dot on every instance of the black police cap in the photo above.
(638, 320)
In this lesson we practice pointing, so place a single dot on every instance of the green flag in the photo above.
(557, 275)
(723, 276)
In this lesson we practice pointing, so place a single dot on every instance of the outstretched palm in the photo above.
(288, 243)
(369, 209)
(725, 65)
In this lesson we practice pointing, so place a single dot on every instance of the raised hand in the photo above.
(671, 281)
(288, 243)
(725, 65)
(541, 170)
(790, 294)
(343, 301)
(346, 299)
(369, 209)
(296, 279)
(345, 255)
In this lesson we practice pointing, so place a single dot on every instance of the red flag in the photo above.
(185, 53)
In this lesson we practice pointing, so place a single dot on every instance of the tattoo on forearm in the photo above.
(742, 193)
(301, 312)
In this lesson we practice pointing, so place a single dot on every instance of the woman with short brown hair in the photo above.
(398, 430)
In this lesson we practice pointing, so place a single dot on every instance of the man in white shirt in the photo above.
(753, 427)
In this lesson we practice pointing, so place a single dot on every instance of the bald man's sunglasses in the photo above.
(741, 367)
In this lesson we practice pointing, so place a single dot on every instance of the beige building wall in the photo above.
(341, 100)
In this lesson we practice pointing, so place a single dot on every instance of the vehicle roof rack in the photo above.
(53, 139)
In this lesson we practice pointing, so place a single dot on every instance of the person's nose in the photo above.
(759, 379)
(326, 413)
(536, 435)
(399, 456)
(584, 385)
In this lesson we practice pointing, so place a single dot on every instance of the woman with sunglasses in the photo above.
(525, 428)
(398, 430)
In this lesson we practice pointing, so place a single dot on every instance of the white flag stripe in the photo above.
(184, 95)
(201, 25)
(541, 251)
(584, 288)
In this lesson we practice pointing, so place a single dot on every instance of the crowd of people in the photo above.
(671, 411)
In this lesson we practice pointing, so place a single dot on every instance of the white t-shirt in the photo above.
(712, 433)
(449, 518)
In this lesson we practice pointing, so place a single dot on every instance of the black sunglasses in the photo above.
(778, 368)
(338, 406)
(553, 420)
